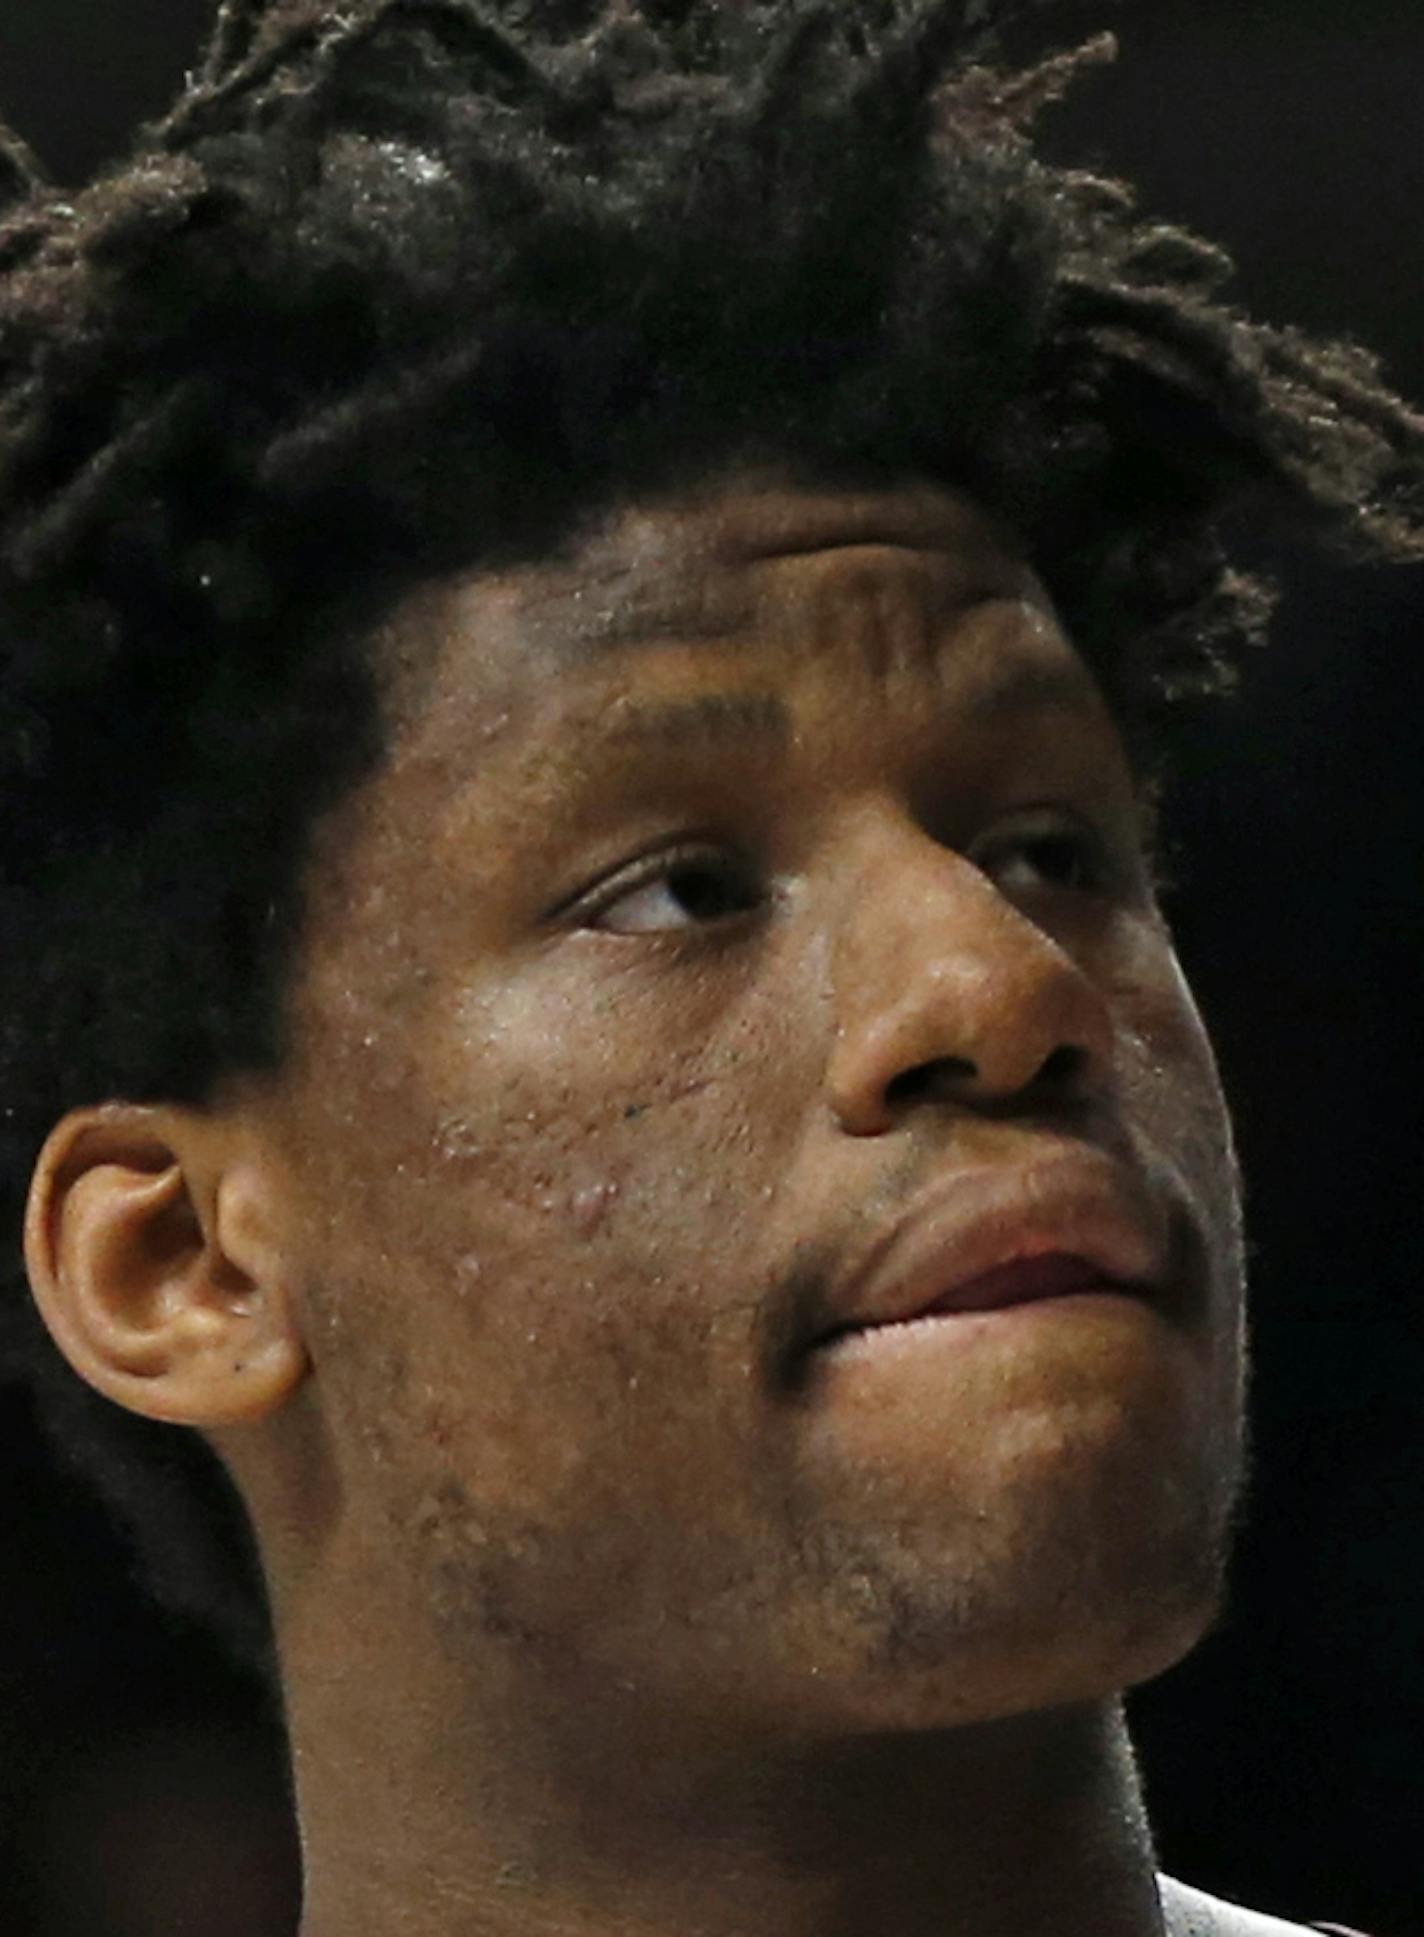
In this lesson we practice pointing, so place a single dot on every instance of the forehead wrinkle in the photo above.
(602, 609)
(729, 595)
(676, 575)
(890, 609)
(871, 574)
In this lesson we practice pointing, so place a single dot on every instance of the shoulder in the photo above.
(1192, 1913)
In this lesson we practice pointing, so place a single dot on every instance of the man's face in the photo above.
(747, 946)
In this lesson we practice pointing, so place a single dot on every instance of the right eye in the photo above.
(686, 889)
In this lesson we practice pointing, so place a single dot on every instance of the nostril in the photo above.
(928, 1081)
(948, 1078)
(1063, 1069)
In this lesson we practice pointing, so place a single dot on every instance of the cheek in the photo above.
(546, 1197)
(605, 1110)
(561, 1264)
(1170, 1071)
(1164, 1056)
(1174, 1103)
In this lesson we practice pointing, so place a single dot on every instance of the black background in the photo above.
(1285, 1762)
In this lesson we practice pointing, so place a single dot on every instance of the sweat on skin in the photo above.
(751, 908)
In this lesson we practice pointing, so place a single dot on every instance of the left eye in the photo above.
(677, 891)
(1043, 852)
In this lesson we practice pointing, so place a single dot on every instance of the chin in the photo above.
(1084, 1611)
(1101, 1659)
(920, 1681)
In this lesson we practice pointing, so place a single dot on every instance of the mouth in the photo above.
(1010, 1287)
(984, 1243)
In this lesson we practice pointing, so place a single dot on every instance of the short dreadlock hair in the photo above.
(402, 287)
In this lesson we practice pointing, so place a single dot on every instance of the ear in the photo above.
(150, 1244)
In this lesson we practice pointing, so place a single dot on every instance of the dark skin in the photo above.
(743, 897)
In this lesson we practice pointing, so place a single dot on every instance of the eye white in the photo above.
(646, 910)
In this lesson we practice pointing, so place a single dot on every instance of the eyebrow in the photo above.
(1030, 688)
(708, 718)
(712, 718)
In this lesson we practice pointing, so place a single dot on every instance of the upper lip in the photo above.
(954, 1247)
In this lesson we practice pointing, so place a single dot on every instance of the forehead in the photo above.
(709, 566)
(748, 563)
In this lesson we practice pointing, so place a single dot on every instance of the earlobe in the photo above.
(154, 1268)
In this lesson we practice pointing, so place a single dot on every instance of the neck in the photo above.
(446, 1818)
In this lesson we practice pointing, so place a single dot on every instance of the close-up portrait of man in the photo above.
(607, 1163)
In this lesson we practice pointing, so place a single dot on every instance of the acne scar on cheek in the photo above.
(589, 1205)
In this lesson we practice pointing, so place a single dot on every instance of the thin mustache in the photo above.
(802, 1306)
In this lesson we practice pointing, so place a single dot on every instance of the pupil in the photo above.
(702, 892)
(1057, 858)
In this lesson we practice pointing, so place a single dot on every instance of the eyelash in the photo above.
(1090, 862)
(1066, 856)
(662, 868)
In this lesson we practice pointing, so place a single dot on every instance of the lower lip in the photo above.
(913, 1335)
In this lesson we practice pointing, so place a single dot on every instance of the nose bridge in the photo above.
(941, 982)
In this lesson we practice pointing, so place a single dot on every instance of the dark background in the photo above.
(139, 1790)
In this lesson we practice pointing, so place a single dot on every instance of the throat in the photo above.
(1032, 1828)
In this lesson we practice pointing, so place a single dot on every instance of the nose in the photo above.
(947, 992)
